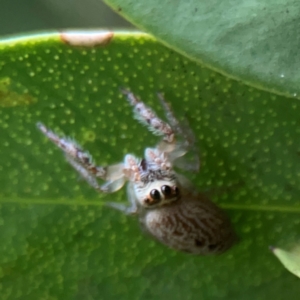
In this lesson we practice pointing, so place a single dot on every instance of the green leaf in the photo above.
(254, 41)
(58, 241)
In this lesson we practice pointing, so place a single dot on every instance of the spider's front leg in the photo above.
(187, 143)
(83, 163)
(130, 209)
(170, 143)
(147, 116)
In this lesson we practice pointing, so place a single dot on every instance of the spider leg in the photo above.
(187, 145)
(175, 149)
(125, 208)
(169, 113)
(147, 116)
(181, 130)
(83, 163)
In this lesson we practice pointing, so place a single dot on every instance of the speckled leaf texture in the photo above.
(255, 41)
(59, 241)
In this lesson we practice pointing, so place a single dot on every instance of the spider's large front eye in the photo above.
(166, 190)
(155, 195)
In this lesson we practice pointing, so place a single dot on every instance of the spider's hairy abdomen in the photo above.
(193, 224)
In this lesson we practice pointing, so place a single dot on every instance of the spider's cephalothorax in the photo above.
(169, 207)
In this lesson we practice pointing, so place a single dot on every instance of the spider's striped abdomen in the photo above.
(192, 224)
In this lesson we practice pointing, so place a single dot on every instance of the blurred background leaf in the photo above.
(253, 41)
(57, 239)
(30, 15)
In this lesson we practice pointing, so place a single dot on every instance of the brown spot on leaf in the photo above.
(86, 38)
(9, 97)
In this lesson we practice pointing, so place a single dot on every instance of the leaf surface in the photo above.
(58, 241)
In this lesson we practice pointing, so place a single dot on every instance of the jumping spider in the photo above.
(169, 207)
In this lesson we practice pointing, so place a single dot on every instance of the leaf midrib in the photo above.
(226, 206)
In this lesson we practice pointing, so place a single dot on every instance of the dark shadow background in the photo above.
(17, 16)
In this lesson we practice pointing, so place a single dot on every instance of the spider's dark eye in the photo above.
(166, 190)
(155, 195)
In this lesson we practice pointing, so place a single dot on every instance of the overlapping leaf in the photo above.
(255, 41)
